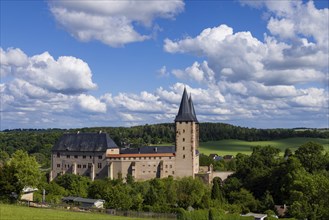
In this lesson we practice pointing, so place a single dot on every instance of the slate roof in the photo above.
(79, 199)
(186, 112)
(94, 142)
(148, 150)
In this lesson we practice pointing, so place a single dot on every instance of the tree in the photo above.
(76, 185)
(26, 168)
(245, 199)
(190, 192)
(216, 191)
(311, 156)
(309, 196)
(18, 172)
(287, 152)
(10, 187)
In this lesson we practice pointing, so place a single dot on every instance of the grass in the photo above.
(15, 212)
(232, 147)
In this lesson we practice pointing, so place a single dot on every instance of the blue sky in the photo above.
(71, 64)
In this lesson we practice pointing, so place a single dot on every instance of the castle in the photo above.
(96, 155)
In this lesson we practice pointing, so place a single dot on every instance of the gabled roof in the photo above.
(95, 142)
(186, 112)
(83, 200)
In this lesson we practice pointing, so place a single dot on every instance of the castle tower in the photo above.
(187, 139)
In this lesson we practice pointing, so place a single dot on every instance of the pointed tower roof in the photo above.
(186, 109)
(192, 108)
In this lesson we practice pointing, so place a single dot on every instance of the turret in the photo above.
(187, 138)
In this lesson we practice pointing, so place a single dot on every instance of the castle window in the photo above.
(58, 154)
(155, 158)
(183, 139)
(144, 158)
(183, 148)
(170, 166)
(166, 166)
(150, 158)
(160, 158)
(100, 157)
(183, 130)
(84, 156)
(90, 157)
(67, 156)
(99, 165)
(58, 165)
(84, 166)
(169, 158)
(75, 156)
(79, 165)
(173, 172)
(184, 156)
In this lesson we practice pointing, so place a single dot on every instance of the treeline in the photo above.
(38, 142)
(262, 180)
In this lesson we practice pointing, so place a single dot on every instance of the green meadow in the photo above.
(232, 147)
(14, 212)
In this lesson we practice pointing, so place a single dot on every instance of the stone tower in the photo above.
(187, 139)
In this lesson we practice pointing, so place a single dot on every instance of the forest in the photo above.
(263, 179)
(38, 142)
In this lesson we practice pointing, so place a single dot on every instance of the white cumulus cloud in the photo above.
(91, 104)
(112, 22)
(281, 76)
(67, 74)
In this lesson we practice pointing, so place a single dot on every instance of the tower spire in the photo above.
(186, 110)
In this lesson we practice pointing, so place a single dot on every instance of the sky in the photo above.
(73, 64)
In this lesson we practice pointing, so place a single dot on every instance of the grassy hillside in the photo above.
(233, 147)
(12, 212)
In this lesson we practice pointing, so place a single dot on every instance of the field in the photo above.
(232, 147)
(12, 212)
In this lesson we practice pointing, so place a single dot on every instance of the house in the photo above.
(84, 202)
(27, 193)
(213, 156)
(97, 156)
(281, 210)
(257, 216)
(228, 157)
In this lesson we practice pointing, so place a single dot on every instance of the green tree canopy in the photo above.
(26, 168)
(311, 156)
